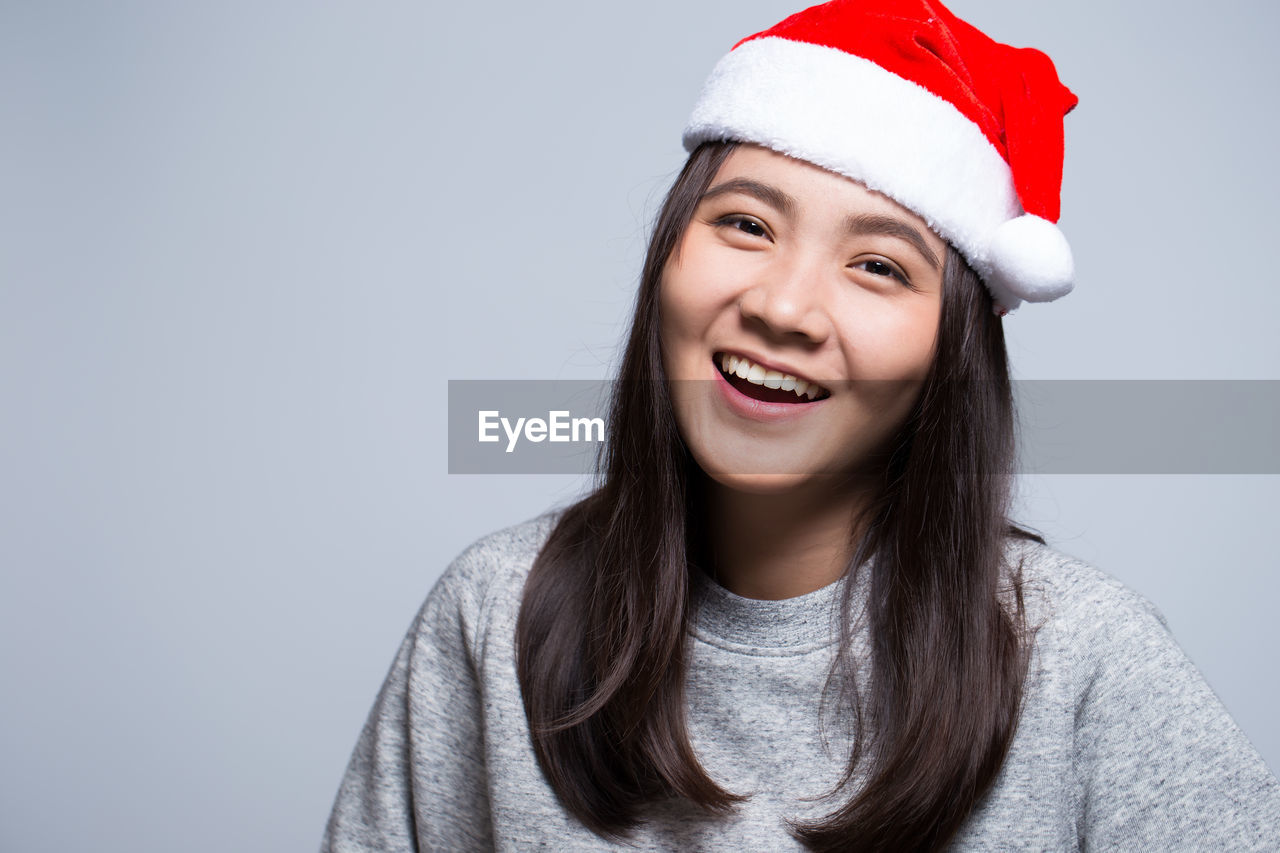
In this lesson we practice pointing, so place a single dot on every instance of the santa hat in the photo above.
(913, 102)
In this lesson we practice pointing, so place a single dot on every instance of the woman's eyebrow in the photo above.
(771, 196)
(875, 223)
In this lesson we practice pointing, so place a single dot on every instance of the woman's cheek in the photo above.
(677, 329)
(687, 303)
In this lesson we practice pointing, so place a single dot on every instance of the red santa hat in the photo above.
(913, 102)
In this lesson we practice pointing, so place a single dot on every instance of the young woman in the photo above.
(794, 613)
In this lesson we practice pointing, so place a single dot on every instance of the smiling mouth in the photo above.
(767, 386)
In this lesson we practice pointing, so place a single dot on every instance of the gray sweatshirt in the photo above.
(1121, 745)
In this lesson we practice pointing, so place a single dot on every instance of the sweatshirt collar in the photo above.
(806, 621)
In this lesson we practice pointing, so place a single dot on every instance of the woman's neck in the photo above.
(774, 546)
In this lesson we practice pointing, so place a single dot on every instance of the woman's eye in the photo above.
(881, 268)
(746, 225)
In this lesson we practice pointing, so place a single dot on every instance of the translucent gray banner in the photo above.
(1211, 426)
(1064, 426)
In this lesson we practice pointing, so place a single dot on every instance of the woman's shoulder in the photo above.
(1084, 605)
(480, 589)
(514, 547)
(1157, 759)
(500, 558)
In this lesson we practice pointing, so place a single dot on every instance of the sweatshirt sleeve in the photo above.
(417, 780)
(1161, 764)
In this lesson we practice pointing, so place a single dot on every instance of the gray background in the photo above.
(244, 245)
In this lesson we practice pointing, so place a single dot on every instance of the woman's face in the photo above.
(787, 276)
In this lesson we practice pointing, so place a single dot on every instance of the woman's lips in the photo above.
(743, 403)
(760, 380)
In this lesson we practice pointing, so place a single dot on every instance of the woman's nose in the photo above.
(786, 298)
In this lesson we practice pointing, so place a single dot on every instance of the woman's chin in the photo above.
(761, 484)
(765, 479)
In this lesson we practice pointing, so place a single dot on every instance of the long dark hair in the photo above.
(603, 626)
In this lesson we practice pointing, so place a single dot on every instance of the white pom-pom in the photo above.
(1029, 259)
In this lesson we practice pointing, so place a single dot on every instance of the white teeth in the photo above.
(757, 375)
